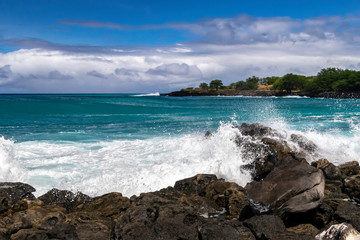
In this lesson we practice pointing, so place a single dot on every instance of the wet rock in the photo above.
(255, 130)
(195, 185)
(303, 142)
(341, 231)
(352, 186)
(15, 191)
(65, 199)
(350, 168)
(292, 187)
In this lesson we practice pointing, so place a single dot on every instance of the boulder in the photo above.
(15, 191)
(292, 187)
(341, 231)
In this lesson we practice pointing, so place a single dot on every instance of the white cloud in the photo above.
(232, 49)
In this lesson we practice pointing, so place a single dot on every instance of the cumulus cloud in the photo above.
(245, 29)
(230, 49)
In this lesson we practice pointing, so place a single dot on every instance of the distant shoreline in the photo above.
(259, 93)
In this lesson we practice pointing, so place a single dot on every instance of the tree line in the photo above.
(326, 80)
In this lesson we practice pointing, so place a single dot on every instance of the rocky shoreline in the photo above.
(258, 93)
(287, 199)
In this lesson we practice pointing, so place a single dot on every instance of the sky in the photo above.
(138, 46)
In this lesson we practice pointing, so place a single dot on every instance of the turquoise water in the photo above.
(134, 143)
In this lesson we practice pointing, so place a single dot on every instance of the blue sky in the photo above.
(148, 46)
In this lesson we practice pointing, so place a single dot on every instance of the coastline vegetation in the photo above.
(326, 80)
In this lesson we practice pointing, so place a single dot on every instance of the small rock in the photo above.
(341, 231)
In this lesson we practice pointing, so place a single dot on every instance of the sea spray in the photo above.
(132, 166)
(10, 169)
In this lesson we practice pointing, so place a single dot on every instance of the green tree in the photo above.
(203, 86)
(216, 84)
(290, 82)
(251, 83)
(240, 85)
(327, 77)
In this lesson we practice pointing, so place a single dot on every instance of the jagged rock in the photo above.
(350, 168)
(348, 212)
(291, 187)
(15, 191)
(341, 231)
(195, 185)
(65, 199)
(352, 186)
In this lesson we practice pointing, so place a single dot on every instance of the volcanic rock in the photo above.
(15, 191)
(65, 199)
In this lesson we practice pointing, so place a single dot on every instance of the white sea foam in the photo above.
(10, 169)
(131, 166)
(147, 94)
(135, 166)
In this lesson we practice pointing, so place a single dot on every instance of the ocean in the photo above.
(133, 143)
